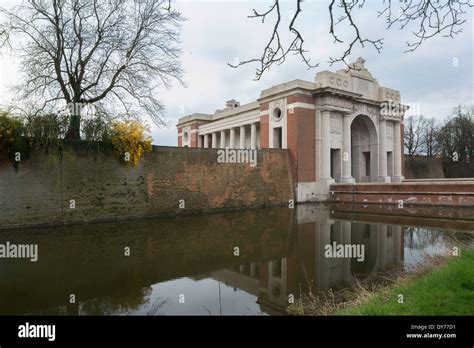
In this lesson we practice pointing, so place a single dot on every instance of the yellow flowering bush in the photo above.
(130, 141)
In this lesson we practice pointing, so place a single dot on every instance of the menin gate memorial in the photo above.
(343, 127)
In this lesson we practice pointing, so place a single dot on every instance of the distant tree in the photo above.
(456, 136)
(414, 135)
(430, 142)
(111, 56)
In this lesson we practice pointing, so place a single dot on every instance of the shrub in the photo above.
(12, 138)
(46, 131)
(130, 141)
(95, 129)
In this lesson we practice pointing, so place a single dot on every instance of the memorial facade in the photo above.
(343, 127)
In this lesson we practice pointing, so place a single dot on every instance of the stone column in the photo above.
(222, 139)
(397, 153)
(206, 141)
(242, 137)
(382, 247)
(325, 145)
(346, 229)
(323, 266)
(214, 140)
(232, 138)
(397, 242)
(253, 269)
(253, 136)
(383, 151)
(346, 150)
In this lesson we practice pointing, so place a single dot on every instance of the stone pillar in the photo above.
(206, 141)
(325, 145)
(200, 141)
(397, 242)
(214, 140)
(397, 153)
(222, 139)
(323, 266)
(383, 151)
(232, 138)
(253, 136)
(346, 150)
(346, 229)
(253, 269)
(242, 137)
(382, 247)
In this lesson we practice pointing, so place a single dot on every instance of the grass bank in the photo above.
(448, 290)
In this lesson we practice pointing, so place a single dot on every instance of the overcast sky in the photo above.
(218, 32)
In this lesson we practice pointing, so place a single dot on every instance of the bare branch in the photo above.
(429, 17)
(274, 52)
(87, 51)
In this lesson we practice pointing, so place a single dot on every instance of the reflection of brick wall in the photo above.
(161, 249)
(103, 188)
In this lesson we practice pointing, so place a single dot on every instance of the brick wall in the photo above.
(42, 189)
(301, 135)
(435, 192)
(422, 167)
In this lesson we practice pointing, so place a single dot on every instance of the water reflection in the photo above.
(244, 263)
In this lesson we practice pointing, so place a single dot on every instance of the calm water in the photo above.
(240, 263)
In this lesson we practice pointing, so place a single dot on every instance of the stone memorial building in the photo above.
(342, 128)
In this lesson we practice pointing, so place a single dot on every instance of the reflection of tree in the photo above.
(156, 306)
(420, 238)
(127, 299)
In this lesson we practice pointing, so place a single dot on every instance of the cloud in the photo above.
(217, 32)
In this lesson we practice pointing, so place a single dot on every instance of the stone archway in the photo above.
(364, 149)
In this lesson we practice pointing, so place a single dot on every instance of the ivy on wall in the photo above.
(128, 139)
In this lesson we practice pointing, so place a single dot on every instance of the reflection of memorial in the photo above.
(88, 260)
(306, 264)
(282, 252)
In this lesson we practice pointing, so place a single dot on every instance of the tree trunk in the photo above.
(74, 128)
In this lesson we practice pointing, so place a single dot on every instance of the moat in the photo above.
(241, 263)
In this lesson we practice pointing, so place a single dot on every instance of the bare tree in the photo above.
(111, 54)
(430, 137)
(413, 137)
(430, 18)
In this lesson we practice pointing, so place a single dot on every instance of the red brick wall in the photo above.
(194, 139)
(435, 193)
(301, 142)
(300, 98)
(103, 188)
(264, 128)
(180, 142)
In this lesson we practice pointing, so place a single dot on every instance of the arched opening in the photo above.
(364, 149)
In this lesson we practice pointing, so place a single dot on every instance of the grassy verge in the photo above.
(448, 290)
